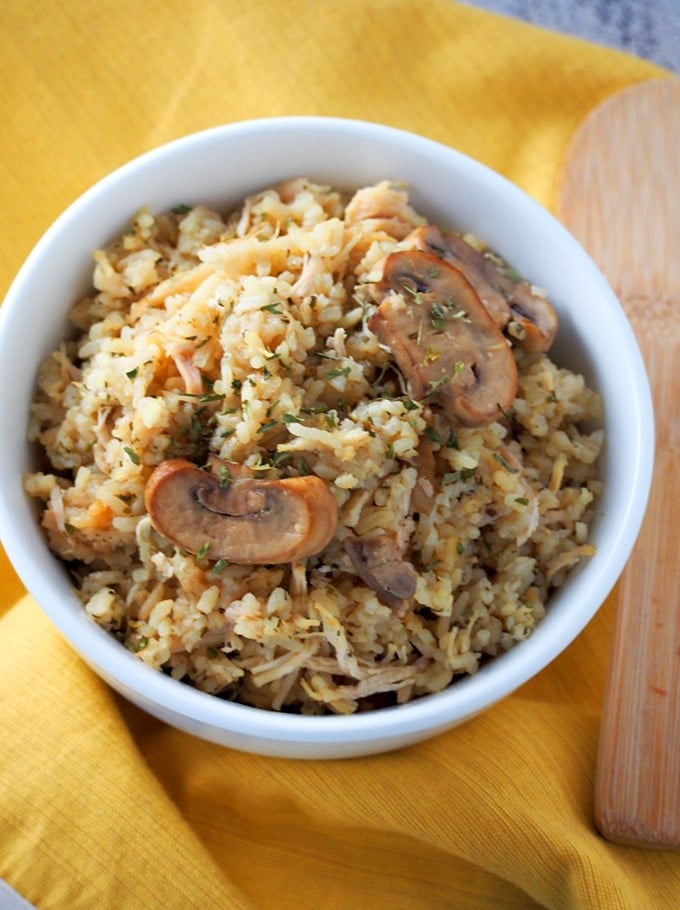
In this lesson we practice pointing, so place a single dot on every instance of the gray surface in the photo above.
(647, 28)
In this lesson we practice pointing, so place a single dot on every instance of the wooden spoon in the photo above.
(620, 197)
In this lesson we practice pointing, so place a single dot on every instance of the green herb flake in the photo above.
(435, 383)
(195, 431)
(437, 315)
(131, 374)
(141, 643)
(274, 308)
(290, 418)
(460, 548)
(414, 292)
(181, 209)
(219, 566)
(508, 467)
(268, 425)
(410, 405)
(278, 458)
(512, 274)
(225, 477)
(463, 475)
(333, 374)
(132, 455)
(432, 435)
(389, 451)
(522, 501)
(204, 549)
(452, 440)
(236, 385)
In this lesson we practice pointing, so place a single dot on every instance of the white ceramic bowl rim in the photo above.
(591, 583)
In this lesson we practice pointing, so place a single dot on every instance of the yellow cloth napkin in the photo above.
(102, 806)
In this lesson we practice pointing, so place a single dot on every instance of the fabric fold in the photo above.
(85, 823)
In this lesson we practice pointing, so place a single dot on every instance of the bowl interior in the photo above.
(219, 167)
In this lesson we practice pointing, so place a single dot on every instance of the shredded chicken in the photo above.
(182, 356)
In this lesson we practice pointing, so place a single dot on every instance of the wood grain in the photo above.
(620, 197)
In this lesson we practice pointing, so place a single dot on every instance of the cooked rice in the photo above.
(247, 338)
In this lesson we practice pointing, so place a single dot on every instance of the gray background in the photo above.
(647, 28)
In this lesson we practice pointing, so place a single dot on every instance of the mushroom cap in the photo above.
(443, 339)
(380, 563)
(247, 521)
(512, 302)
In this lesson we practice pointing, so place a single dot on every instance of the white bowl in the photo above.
(219, 167)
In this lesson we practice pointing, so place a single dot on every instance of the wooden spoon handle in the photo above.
(620, 196)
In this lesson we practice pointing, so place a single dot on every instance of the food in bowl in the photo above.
(313, 456)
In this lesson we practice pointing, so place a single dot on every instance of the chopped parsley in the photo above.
(435, 383)
(508, 467)
(452, 440)
(333, 374)
(464, 475)
(512, 274)
(414, 292)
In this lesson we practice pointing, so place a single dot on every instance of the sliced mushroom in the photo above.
(379, 563)
(528, 317)
(245, 521)
(443, 339)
